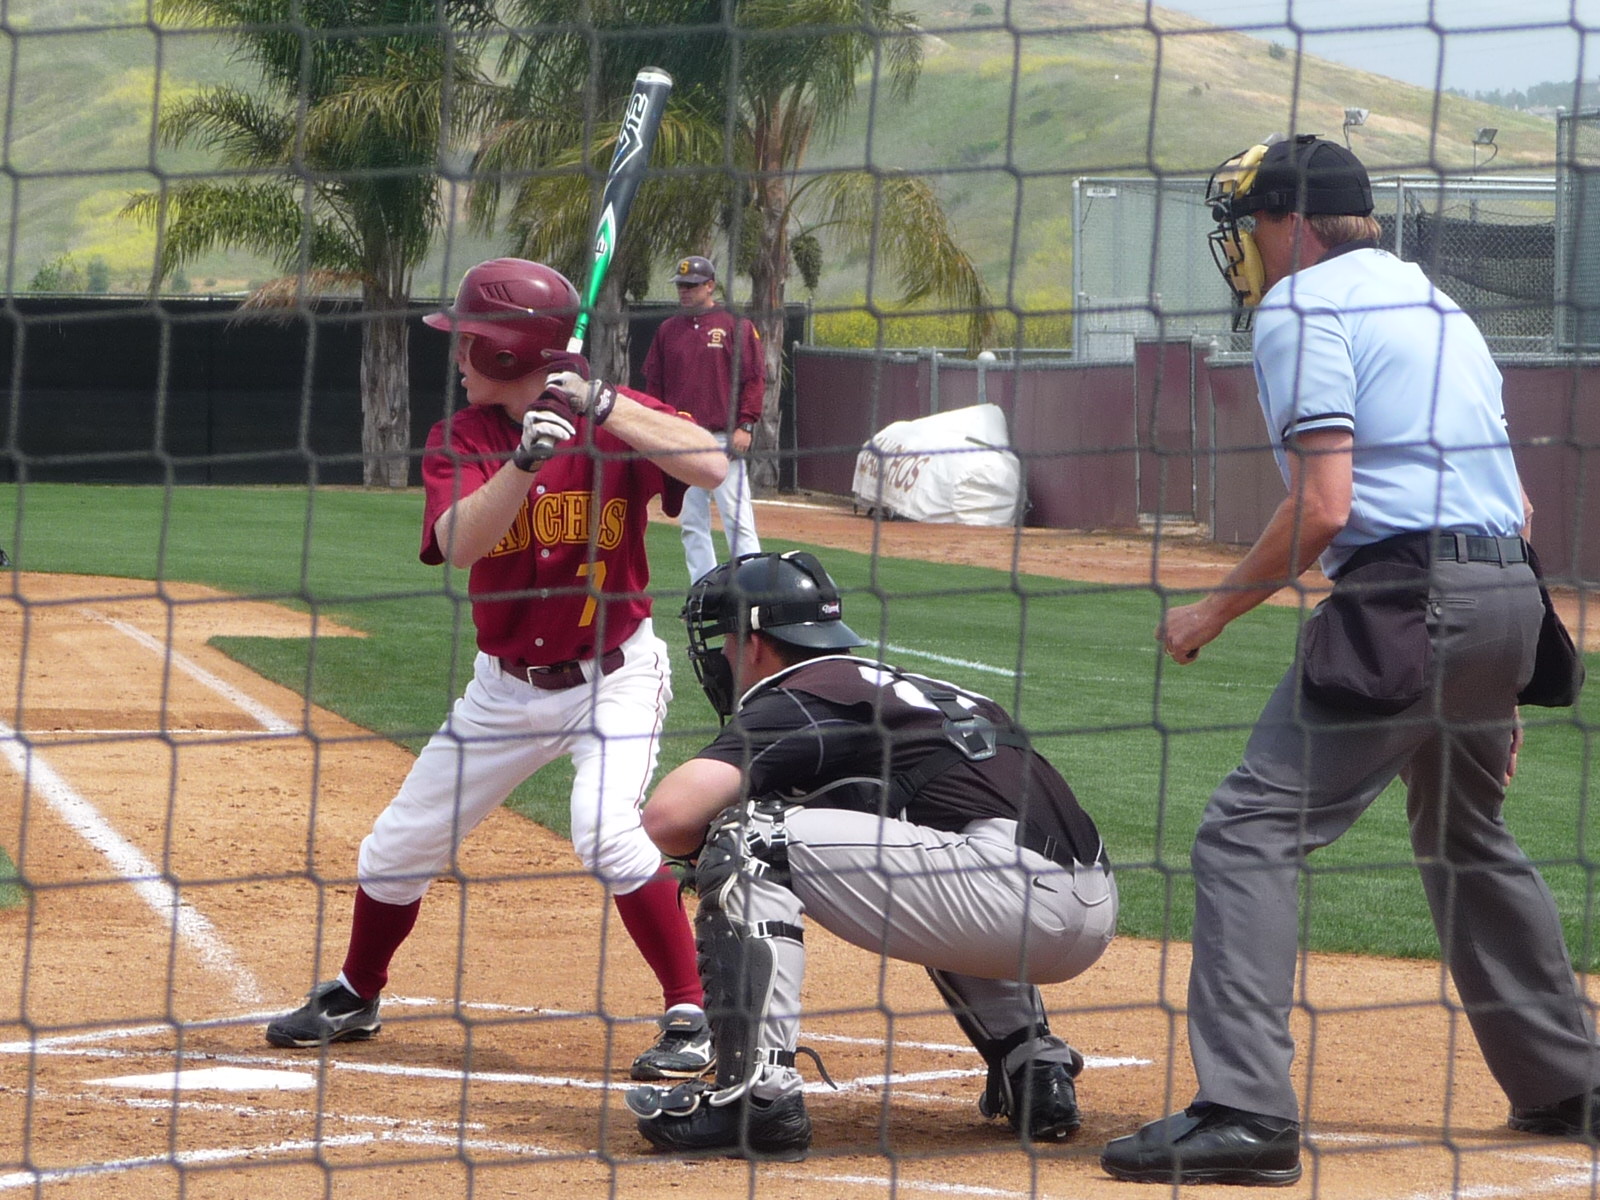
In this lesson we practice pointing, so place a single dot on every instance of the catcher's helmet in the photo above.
(787, 597)
(516, 310)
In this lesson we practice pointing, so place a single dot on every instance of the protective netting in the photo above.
(220, 655)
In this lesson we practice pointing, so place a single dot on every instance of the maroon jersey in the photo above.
(690, 366)
(568, 579)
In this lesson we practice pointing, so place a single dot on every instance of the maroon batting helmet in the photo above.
(515, 310)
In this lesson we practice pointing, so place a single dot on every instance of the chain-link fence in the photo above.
(1578, 230)
(1142, 268)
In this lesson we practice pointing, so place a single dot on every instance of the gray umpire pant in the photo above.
(1308, 773)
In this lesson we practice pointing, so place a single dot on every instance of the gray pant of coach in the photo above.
(1308, 773)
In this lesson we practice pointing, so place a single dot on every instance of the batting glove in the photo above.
(592, 398)
(565, 360)
(542, 429)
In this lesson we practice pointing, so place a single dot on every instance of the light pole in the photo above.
(1484, 137)
(1352, 118)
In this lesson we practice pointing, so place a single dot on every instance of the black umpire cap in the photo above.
(1308, 174)
(694, 269)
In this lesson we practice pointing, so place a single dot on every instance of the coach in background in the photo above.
(692, 364)
(903, 814)
(538, 488)
(1384, 406)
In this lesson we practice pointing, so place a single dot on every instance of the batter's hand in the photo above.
(564, 360)
(542, 429)
(1185, 630)
(590, 398)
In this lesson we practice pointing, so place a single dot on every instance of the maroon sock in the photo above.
(654, 918)
(376, 931)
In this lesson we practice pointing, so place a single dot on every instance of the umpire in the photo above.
(902, 814)
(1384, 408)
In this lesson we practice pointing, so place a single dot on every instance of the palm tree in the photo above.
(798, 69)
(550, 142)
(758, 82)
(337, 157)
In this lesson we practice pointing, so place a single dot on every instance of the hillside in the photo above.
(1004, 119)
(1097, 91)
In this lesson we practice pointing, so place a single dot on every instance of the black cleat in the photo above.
(333, 1014)
(1044, 1102)
(683, 1051)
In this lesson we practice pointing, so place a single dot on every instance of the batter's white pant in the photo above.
(738, 519)
(499, 733)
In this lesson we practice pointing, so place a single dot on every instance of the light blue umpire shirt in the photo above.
(1364, 342)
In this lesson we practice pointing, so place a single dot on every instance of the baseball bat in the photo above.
(638, 134)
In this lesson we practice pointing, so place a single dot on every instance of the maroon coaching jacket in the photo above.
(690, 366)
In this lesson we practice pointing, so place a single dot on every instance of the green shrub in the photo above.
(861, 329)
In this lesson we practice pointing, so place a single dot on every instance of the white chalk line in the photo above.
(194, 1158)
(192, 926)
(1567, 1172)
(147, 733)
(899, 1183)
(968, 663)
(263, 716)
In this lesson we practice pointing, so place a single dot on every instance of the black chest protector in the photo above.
(941, 723)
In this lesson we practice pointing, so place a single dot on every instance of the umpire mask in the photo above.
(1233, 243)
(788, 597)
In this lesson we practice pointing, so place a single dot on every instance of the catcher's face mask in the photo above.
(787, 597)
(1233, 243)
(706, 617)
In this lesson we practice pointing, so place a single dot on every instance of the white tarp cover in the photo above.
(951, 468)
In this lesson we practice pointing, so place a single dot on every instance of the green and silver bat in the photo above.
(638, 134)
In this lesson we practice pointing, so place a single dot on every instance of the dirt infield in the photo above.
(173, 814)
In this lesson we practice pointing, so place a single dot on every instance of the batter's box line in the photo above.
(201, 1158)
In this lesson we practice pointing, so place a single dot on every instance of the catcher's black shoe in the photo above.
(684, 1121)
(333, 1014)
(1575, 1117)
(1044, 1102)
(683, 1051)
(1208, 1143)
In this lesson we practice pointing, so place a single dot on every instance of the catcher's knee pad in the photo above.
(751, 951)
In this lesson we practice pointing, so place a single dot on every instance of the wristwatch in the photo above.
(747, 427)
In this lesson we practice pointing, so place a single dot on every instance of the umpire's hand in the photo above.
(1186, 629)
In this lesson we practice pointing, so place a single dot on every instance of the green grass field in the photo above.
(1142, 744)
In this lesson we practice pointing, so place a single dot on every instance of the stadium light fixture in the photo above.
(1484, 137)
(1354, 117)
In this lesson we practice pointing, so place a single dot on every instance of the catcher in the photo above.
(906, 816)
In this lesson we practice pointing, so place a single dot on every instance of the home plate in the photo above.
(221, 1079)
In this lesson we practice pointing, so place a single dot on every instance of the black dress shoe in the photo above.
(1575, 1117)
(1208, 1143)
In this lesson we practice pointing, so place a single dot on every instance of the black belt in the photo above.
(1046, 845)
(1474, 547)
(558, 677)
(1444, 545)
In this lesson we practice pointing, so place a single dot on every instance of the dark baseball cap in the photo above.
(694, 269)
(1308, 174)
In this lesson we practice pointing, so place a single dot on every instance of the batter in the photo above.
(539, 488)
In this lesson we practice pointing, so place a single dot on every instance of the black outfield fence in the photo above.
(188, 391)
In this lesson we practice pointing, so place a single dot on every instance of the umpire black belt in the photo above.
(1443, 545)
(1473, 547)
(558, 677)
